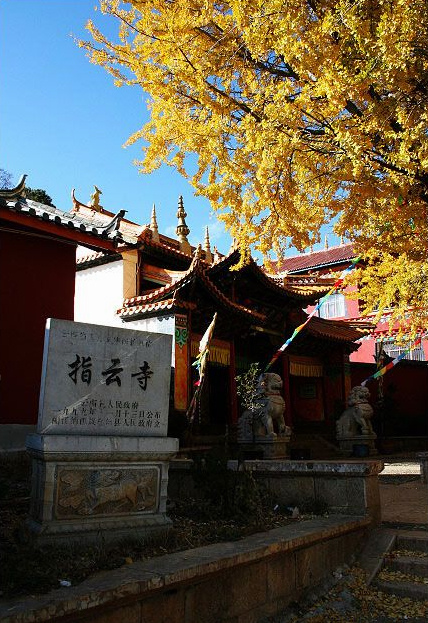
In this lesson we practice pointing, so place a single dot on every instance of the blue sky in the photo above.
(63, 122)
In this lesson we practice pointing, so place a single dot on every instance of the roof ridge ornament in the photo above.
(17, 191)
(76, 203)
(197, 255)
(207, 248)
(154, 225)
(182, 230)
(94, 202)
(114, 224)
(217, 256)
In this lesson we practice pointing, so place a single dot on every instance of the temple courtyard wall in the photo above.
(234, 582)
(237, 582)
(348, 487)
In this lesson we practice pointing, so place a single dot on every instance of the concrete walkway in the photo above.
(404, 497)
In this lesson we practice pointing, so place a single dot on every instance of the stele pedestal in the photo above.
(100, 456)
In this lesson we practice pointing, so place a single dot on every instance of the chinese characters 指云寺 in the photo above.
(83, 365)
(143, 375)
(112, 373)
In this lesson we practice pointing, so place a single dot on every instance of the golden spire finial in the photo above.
(154, 225)
(182, 230)
(207, 248)
(326, 243)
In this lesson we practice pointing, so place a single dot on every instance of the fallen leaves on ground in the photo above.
(409, 553)
(399, 576)
(352, 601)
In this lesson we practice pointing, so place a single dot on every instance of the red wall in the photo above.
(365, 352)
(405, 390)
(36, 282)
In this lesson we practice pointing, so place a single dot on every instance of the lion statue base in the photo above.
(265, 424)
(354, 426)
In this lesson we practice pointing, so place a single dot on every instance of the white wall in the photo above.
(165, 324)
(99, 294)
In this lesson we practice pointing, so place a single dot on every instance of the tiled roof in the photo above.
(50, 214)
(297, 289)
(166, 247)
(338, 330)
(197, 271)
(317, 259)
(96, 259)
(90, 257)
(160, 293)
(165, 305)
(129, 229)
(300, 291)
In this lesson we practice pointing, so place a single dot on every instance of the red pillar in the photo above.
(181, 375)
(286, 389)
(232, 385)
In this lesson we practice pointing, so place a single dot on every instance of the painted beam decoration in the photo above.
(99, 380)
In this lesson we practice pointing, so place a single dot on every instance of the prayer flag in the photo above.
(338, 284)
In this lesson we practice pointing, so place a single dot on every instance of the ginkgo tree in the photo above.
(299, 112)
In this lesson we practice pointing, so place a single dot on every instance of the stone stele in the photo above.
(101, 455)
(100, 380)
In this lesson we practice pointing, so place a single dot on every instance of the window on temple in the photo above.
(393, 349)
(334, 307)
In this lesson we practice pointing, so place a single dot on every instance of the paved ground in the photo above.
(404, 498)
(404, 501)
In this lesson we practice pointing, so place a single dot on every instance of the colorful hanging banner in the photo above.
(200, 365)
(204, 349)
(338, 284)
(392, 363)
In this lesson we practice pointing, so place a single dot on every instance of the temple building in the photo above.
(331, 261)
(161, 284)
(38, 266)
(404, 390)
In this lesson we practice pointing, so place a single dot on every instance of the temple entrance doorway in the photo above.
(213, 409)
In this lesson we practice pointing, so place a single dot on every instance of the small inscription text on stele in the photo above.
(99, 380)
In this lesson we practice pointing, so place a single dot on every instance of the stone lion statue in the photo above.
(267, 419)
(355, 420)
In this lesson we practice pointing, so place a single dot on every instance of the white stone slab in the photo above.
(99, 380)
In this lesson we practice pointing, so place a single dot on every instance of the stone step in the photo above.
(412, 590)
(412, 543)
(410, 565)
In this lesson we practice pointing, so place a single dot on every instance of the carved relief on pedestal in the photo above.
(105, 491)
